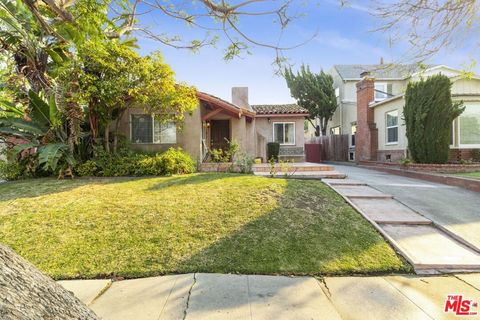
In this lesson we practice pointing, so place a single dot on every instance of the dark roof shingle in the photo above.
(379, 71)
(291, 108)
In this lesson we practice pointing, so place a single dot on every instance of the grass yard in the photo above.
(135, 227)
(473, 175)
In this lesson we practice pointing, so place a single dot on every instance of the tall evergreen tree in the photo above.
(314, 92)
(429, 113)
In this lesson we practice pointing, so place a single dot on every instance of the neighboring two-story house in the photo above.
(389, 81)
(383, 112)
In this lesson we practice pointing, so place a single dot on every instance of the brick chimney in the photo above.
(366, 138)
(240, 97)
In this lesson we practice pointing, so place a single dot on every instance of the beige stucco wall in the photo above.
(189, 136)
(265, 129)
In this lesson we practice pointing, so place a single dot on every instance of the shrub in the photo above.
(219, 155)
(429, 113)
(244, 163)
(176, 161)
(405, 161)
(11, 170)
(273, 149)
(173, 161)
(87, 169)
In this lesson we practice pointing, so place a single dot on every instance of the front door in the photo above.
(219, 134)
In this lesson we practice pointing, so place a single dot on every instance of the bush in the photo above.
(219, 155)
(87, 169)
(244, 163)
(173, 161)
(273, 149)
(11, 170)
(429, 113)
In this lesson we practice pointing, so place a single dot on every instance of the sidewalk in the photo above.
(223, 296)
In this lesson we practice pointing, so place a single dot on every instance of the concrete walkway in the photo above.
(453, 208)
(219, 296)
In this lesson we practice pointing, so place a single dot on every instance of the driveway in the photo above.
(453, 208)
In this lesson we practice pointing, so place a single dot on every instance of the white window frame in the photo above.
(153, 130)
(460, 145)
(339, 130)
(294, 132)
(351, 134)
(454, 134)
(385, 88)
(337, 92)
(391, 127)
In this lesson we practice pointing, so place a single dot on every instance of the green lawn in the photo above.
(134, 227)
(473, 175)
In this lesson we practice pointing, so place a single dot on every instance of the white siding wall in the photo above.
(468, 87)
(380, 114)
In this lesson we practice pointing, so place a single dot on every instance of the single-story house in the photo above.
(215, 122)
(380, 129)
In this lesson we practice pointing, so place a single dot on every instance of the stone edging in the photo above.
(466, 183)
(440, 168)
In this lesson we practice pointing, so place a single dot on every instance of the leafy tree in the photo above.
(42, 133)
(314, 92)
(429, 113)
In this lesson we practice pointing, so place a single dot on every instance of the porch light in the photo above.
(269, 120)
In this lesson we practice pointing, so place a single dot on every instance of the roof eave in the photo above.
(379, 103)
(272, 115)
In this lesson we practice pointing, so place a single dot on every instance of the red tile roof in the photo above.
(228, 106)
(279, 109)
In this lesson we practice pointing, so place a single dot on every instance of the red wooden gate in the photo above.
(329, 148)
(312, 152)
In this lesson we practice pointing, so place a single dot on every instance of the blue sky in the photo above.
(344, 37)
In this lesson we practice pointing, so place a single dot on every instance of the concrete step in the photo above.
(344, 182)
(304, 174)
(356, 191)
(389, 211)
(293, 167)
(429, 249)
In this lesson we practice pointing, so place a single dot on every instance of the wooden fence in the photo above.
(329, 148)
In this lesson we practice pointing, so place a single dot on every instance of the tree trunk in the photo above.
(26, 293)
(323, 126)
(316, 127)
(93, 119)
(115, 132)
(106, 136)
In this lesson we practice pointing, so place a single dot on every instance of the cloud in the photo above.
(335, 40)
(345, 4)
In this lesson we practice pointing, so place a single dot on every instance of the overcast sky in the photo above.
(343, 37)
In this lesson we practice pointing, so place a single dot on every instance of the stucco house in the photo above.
(215, 122)
(371, 109)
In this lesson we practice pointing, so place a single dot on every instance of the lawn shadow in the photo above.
(190, 179)
(36, 187)
(305, 234)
